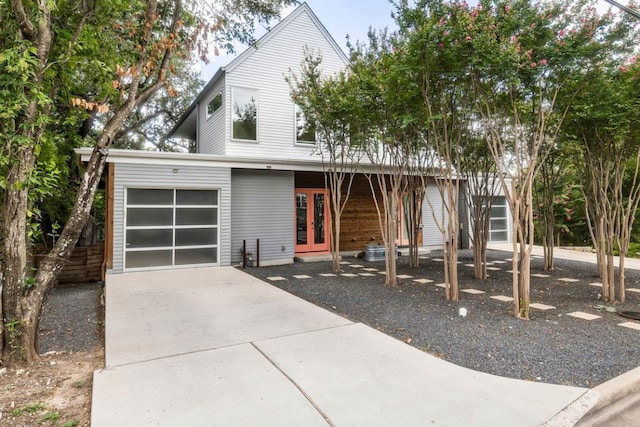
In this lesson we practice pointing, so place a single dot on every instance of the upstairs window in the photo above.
(215, 104)
(244, 113)
(305, 130)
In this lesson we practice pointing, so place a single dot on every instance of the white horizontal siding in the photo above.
(265, 70)
(262, 207)
(211, 132)
(163, 176)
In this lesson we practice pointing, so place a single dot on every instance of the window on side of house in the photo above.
(499, 224)
(244, 113)
(305, 130)
(215, 104)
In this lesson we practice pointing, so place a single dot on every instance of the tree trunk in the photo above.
(453, 228)
(621, 290)
(18, 328)
(548, 239)
(390, 252)
(611, 274)
(334, 219)
(515, 264)
(480, 233)
(415, 215)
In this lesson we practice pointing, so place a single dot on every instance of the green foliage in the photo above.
(52, 416)
(31, 408)
(30, 283)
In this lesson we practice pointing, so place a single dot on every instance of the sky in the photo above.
(340, 17)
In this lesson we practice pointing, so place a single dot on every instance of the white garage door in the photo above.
(170, 227)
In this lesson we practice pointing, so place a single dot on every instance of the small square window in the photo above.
(215, 104)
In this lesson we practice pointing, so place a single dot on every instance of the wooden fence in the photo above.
(85, 264)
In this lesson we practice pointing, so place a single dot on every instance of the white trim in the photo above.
(172, 159)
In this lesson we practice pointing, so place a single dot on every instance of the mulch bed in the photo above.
(552, 347)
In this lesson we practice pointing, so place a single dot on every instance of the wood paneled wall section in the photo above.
(84, 265)
(359, 225)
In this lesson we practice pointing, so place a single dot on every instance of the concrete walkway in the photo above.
(217, 347)
(569, 254)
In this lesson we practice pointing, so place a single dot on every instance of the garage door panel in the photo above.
(148, 259)
(149, 238)
(197, 197)
(196, 216)
(145, 196)
(145, 217)
(196, 256)
(196, 236)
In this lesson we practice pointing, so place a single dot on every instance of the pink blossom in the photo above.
(513, 39)
(468, 38)
(445, 33)
(534, 65)
(507, 8)
(624, 69)
(543, 61)
(562, 33)
(474, 14)
(440, 45)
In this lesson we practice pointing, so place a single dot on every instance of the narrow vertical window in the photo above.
(215, 104)
(245, 112)
(305, 130)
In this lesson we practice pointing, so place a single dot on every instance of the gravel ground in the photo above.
(72, 318)
(552, 347)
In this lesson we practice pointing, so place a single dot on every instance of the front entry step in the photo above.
(311, 257)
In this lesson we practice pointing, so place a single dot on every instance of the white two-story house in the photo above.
(254, 184)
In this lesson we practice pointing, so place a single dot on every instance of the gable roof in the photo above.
(186, 125)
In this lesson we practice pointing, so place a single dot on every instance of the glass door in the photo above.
(311, 220)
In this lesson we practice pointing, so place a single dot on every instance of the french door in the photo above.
(312, 220)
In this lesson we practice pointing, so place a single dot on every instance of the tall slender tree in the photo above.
(330, 104)
(605, 123)
(108, 57)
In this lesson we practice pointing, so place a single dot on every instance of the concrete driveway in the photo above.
(217, 347)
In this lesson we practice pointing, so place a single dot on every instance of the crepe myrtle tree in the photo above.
(517, 61)
(102, 57)
(605, 123)
(330, 107)
(393, 137)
